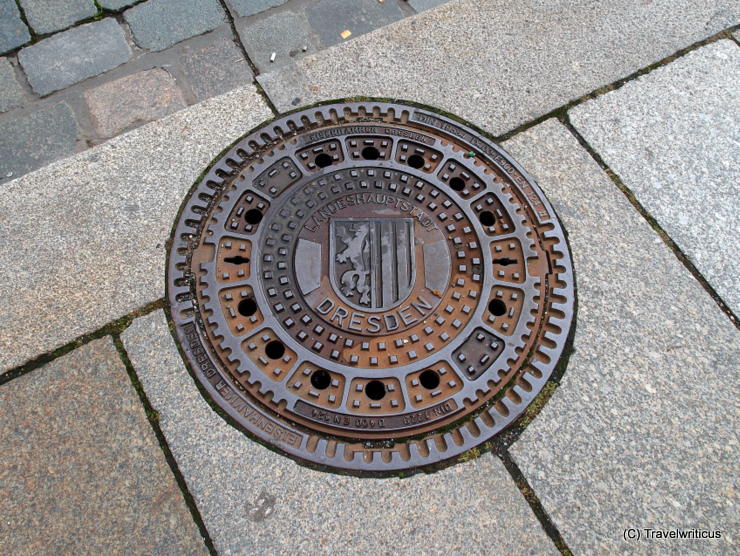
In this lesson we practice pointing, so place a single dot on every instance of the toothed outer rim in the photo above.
(263, 406)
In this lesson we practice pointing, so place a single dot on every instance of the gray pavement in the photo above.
(643, 430)
(81, 471)
(673, 137)
(255, 501)
(500, 63)
(100, 220)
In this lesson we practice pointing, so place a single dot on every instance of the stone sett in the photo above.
(329, 18)
(13, 32)
(243, 8)
(134, 99)
(31, 140)
(74, 55)
(422, 5)
(284, 33)
(216, 68)
(11, 92)
(116, 4)
(81, 471)
(158, 24)
(47, 16)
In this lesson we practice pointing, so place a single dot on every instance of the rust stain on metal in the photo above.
(352, 286)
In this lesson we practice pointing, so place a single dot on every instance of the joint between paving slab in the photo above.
(255, 71)
(115, 327)
(534, 503)
(565, 120)
(153, 418)
(561, 111)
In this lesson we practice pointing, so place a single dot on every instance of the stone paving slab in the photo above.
(473, 507)
(71, 56)
(33, 139)
(243, 8)
(285, 34)
(421, 5)
(140, 97)
(642, 431)
(11, 92)
(88, 233)
(81, 471)
(47, 16)
(158, 24)
(216, 68)
(13, 32)
(500, 63)
(331, 18)
(673, 137)
(116, 4)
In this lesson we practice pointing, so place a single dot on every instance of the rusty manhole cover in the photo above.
(370, 286)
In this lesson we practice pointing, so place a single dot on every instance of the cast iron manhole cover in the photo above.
(370, 286)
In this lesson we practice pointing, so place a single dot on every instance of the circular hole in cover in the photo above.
(429, 379)
(370, 153)
(247, 307)
(416, 161)
(375, 390)
(253, 216)
(497, 307)
(456, 183)
(323, 160)
(320, 379)
(275, 349)
(487, 218)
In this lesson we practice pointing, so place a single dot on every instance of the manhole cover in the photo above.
(370, 286)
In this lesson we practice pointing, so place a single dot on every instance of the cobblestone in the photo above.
(215, 69)
(13, 32)
(284, 34)
(30, 141)
(47, 16)
(330, 18)
(11, 92)
(135, 99)
(74, 55)
(158, 24)
(244, 8)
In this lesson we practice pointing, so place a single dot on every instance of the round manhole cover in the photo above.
(370, 286)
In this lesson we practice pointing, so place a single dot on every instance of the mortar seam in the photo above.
(535, 505)
(115, 326)
(651, 220)
(255, 71)
(152, 416)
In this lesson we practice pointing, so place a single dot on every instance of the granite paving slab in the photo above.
(13, 32)
(116, 4)
(642, 432)
(74, 55)
(81, 471)
(31, 139)
(134, 99)
(243, 8)
(158, 24)
(47, 16)
(500, 63)
(88, 233)
(673, 137)
(11, 92)
(216, 68)
(284, 34)
(331, 18)
(421, 5)
(254, 501)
